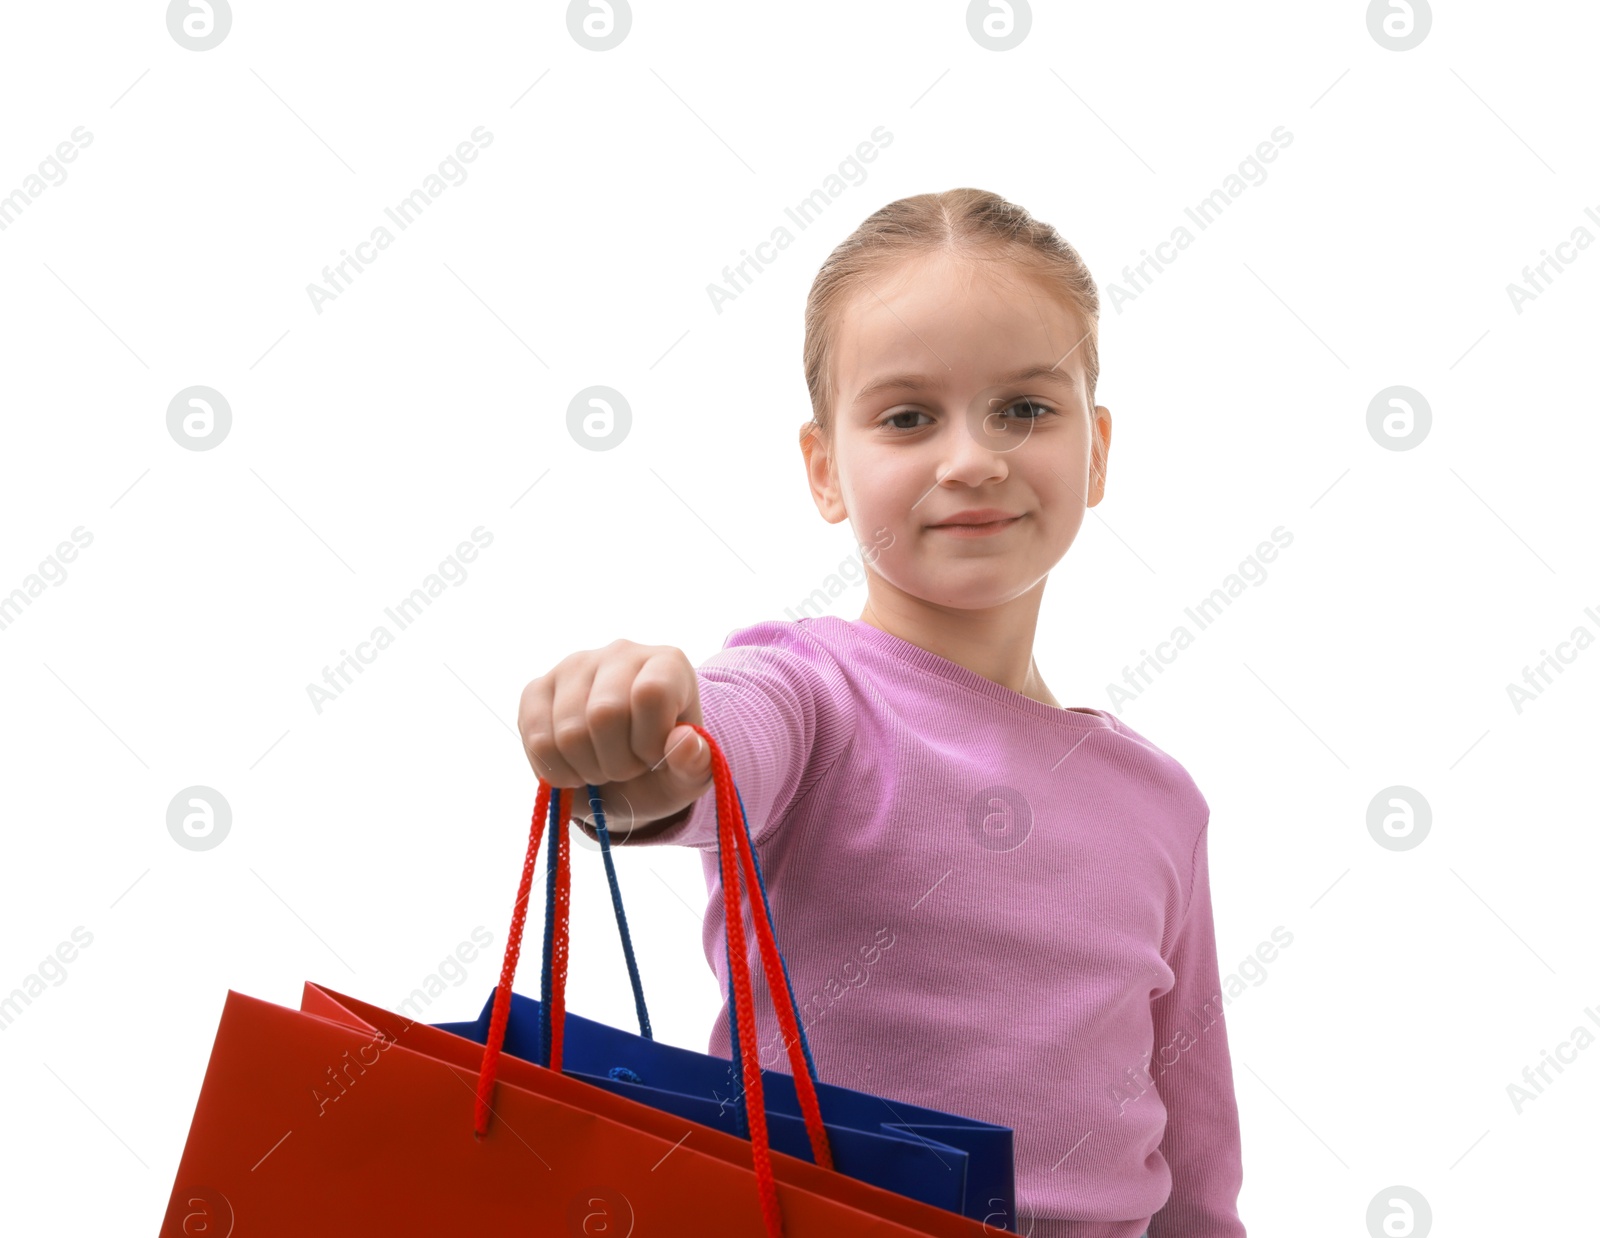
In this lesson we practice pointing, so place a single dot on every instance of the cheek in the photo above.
(1062, 472)
(1063, 522)
(887, 487)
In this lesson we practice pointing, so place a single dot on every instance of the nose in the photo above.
(974, 451)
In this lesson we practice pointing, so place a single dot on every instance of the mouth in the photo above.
(985, 529)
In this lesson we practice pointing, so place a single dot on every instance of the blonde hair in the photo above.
(969, 223)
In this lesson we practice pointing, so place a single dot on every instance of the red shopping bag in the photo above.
(345, 1119)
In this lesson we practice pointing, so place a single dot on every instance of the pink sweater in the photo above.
(989, 906)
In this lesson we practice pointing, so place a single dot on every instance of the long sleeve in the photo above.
(867, 764)
(1193, 1075)
(781, 710)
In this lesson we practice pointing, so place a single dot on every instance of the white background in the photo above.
(371, 838)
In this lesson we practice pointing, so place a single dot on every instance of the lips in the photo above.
(977, 532)
(977, 516)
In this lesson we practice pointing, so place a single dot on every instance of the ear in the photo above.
(821, 474)
(1099, 450)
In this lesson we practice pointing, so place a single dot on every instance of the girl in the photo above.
(990, 904)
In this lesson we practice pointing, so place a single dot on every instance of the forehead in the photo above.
(954, 322)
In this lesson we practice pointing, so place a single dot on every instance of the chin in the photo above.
(964, 599)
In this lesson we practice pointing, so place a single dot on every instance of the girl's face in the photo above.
(960, 385)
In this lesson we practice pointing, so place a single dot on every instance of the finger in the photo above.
(610, 714)
(534, 725)
(570, 725)
(687, 757)
(660, 697)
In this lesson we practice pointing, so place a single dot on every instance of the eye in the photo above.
(1039, 411)
(904, 412)
(1025, 410)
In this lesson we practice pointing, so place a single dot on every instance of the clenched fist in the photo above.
(614, 717)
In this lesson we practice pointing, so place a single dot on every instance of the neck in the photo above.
(996, 643)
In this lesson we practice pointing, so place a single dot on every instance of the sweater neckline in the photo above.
(933, 663)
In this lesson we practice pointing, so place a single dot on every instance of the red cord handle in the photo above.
(736, 859)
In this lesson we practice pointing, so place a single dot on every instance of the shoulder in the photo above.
(797, 644)
(813, 656)
(1161, 770)
(800, 662)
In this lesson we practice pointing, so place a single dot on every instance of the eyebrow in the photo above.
(922, 382)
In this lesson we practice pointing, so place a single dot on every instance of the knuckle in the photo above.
(605, 712)
(542, 755)
(649, 689)
(525, 702)
(570, 732)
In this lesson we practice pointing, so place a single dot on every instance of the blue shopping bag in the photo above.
(952, 1162)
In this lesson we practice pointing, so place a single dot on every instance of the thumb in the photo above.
(688, 755)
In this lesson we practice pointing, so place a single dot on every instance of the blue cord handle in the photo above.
(545, 1034)
(741, 1114)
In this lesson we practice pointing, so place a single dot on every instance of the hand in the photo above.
(614, 717)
